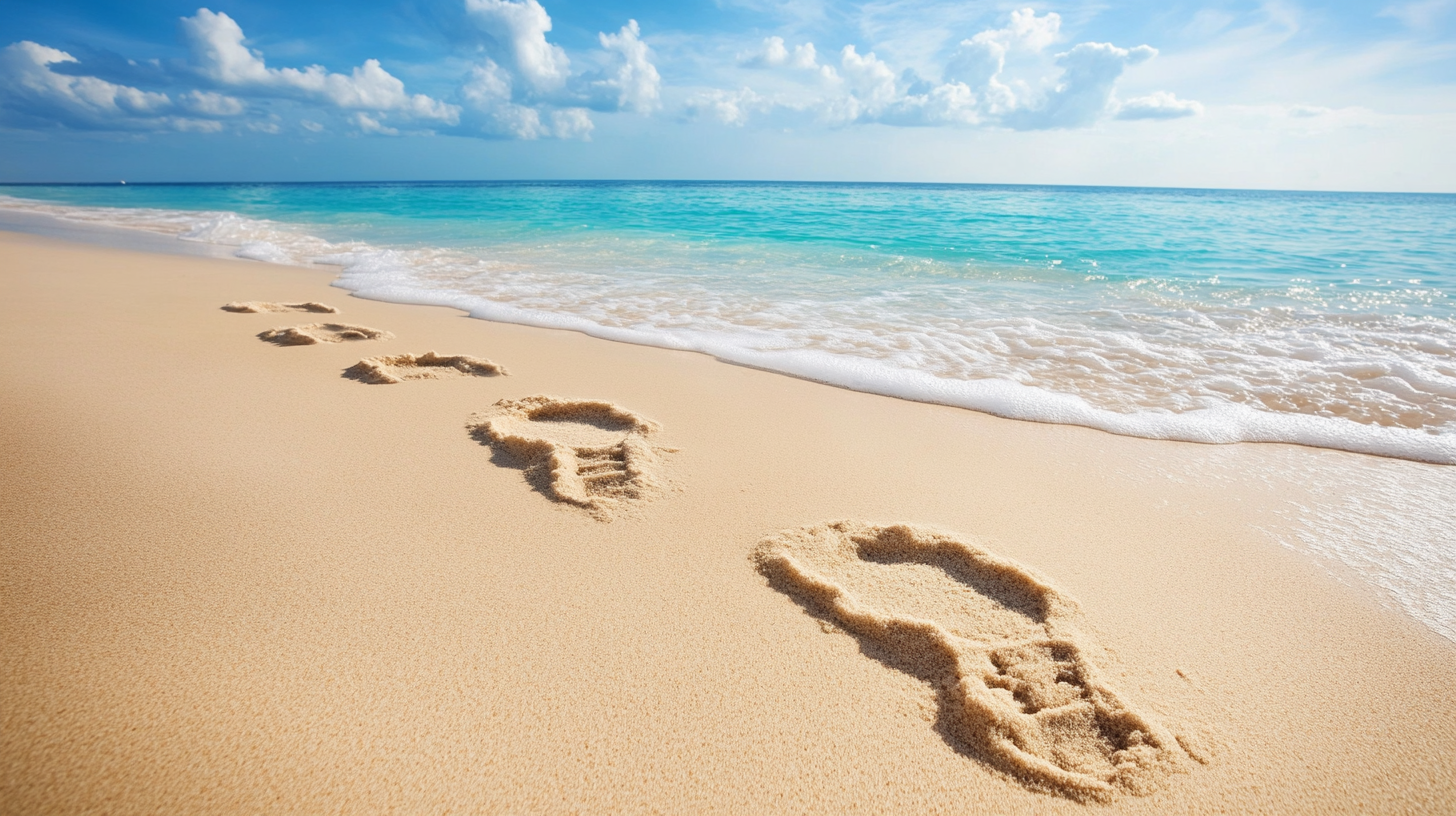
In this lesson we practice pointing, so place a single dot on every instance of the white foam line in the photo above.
(1220, 425)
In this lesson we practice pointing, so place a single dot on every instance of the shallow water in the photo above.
(1215, 316)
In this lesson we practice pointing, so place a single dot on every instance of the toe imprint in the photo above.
(254, 306)
(321, 333)
(587, 453)
(427, 366)
(1001, 646)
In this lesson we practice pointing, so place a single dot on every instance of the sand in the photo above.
(236, 580)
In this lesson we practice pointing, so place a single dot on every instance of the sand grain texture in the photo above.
(233, 581)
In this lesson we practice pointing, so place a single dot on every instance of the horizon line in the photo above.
(785, 182)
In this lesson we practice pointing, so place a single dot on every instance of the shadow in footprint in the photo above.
(533, 469)
(1001, 648)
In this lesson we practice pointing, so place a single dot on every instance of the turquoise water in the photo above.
(1215, 316)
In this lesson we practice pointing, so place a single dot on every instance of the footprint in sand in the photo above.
(427, 366)
(1000, 645)
(257, 306)
(587, 453)
(321, 333)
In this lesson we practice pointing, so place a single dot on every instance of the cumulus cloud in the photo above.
(1160, 105)
(870, 82)
(1084, 91)
(490, 111)
(522, 87)
(211, 103)
(218, 53)
(973, 90)
(36, 94)
(635, 80)
(773, 53)
(526, 88)
(368, 124)
(728, 107)
(1026, 30)
(517, 29)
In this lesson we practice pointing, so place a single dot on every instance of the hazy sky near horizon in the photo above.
(1312, 95)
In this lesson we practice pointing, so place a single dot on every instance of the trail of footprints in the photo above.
(1004, 650)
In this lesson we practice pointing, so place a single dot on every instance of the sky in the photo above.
(1261, 95)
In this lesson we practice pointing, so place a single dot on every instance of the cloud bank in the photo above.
(524, 86)
(37, 96)
(511, 81)
(974, 89)
(218, 53)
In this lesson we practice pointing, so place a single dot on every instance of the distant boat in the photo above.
(123, 181)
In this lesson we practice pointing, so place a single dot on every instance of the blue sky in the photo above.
(1358, 96)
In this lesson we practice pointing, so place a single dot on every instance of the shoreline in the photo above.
(239, 577)
(372, 272)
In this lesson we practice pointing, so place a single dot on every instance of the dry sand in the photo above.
(236, 580)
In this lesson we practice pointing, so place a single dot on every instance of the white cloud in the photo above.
(368, 124)
(27, 70)
(951, 103)
(525, 88)
(636, 80)
(219, 54)
(571, 123)
(35, 93)
(974, 89)
(518, 30)
(866, 88)
(1158, 105)
(490, 111)
(728, 107)
(1083, 93)
(210, 103)
(774, 54)
(1026, 31)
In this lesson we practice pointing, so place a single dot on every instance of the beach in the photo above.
(238, 580)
